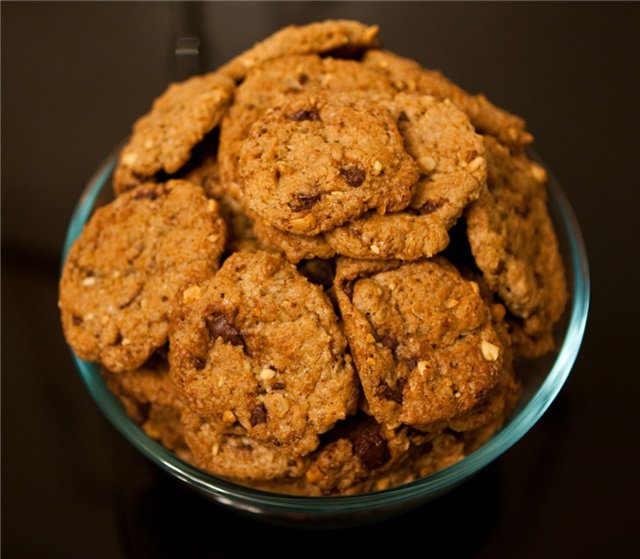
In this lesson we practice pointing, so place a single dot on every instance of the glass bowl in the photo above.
(542, 378)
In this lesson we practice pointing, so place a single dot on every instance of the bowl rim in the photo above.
(255, 500)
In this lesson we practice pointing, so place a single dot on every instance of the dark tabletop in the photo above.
(74, 77)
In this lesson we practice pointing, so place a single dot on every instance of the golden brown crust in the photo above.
(409, 76)
(421, 339)
(162, 139)
(311, 164)
(450, 156)
(261, 345)
(326, 147)
(322, 37)
(515, 246)
(122, 272)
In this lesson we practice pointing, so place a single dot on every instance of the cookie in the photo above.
(289, 76)
(450, 156)
(162, 140)
(313, 163)
(151, 399)
(229, 452)
(421, 339)
(359, 450)
(124, 269)
(409, 76)
(261, 346)
(514, 245)
(345, 36)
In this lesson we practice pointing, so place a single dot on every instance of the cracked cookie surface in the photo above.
(315, 162)
(421, 338)
(261, 346)
(322, 37)
(162, 139)
(409, 76)
(513, 242)
(450, 157)
(124, 269)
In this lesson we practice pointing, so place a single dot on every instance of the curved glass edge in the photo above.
(252, 500)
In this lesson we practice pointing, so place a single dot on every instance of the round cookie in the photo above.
(409, 76)
(341, 35)
(229, 452)
(450, 156)
(124, 269)
(313, 163)
(514, 245)
(261, 346)
(285, 77)
(162, 140)
(421, 339)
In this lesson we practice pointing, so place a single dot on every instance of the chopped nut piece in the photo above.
(377, 168)
(451, 303)
(427, 164)
(267, 374)
(303, 224)
(89, 281)
(229, 417)
(422, 367)
(375, 249)
(489, 351)
(191, 294)
(538, 173)
(475, 164)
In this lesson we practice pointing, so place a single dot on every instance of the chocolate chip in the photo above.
(402, 117)
(303, 202)
(220, 327)
(145, 194)
(304, 114)
(412, 363)
(198, 363)
(291, 463)
(77, 320)
(278, 385)
(393, 393)
(303, 78)
(431, 206)
(258, 415)
(354, 175)
(371, 448)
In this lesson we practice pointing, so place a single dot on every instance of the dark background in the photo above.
(74, 77)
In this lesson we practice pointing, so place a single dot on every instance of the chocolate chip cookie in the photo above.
(286, 77)
(339, 35)
(162, 140)
(514, 244)
(261, 346)
(409, 76)
(421, 338)
(122, 272)
(314, 162)
(450, 156)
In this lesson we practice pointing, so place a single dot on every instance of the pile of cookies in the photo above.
(319, 268)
